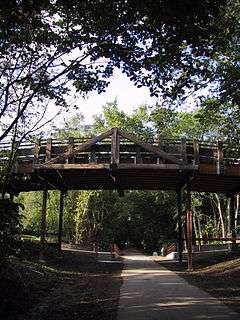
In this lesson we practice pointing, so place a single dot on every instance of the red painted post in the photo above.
(189, 240)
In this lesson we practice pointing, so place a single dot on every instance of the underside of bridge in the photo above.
(117, 160)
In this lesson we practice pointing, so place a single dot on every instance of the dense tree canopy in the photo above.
(168, 46)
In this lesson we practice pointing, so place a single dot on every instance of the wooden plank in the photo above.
(232, 170)
(195, 151)
(161, 166)
(92, 157)
(151, 148)
(207, 168)
(70, 149)
(36, 152)
(138, 157)
(115, 147)
(82, 147)
(48, 182)
(71, 166)
(24, 167)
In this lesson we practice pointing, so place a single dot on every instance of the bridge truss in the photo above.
(118, 160)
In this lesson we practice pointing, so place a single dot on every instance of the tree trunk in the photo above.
(220, 215)
(236, 210)
(199, 229)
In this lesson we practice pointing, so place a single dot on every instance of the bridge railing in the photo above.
(191, 151)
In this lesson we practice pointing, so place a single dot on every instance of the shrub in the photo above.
(10, 226)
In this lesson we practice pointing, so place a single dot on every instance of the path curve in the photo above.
(151, 292)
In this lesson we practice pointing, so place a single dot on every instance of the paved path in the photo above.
(151, 292)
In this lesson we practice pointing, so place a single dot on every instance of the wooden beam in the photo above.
(48, 150)
(189, 231)
(43, 179)
(81, 148)
(115, 147)
(43, 223)
(138, 157)
(36, 152)
(60, 220)
(180, 230)
(70, 149)
(72, 166)
(64, 185)
(151, 148)
(161, 166)
(186, 180)
(195, 152)
(92, 157)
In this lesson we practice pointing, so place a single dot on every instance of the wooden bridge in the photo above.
(117, 160)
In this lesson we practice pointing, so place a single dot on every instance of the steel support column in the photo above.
(60, 221)
(189, 231)
(180, 231)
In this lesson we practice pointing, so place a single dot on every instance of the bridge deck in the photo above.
(116, 160)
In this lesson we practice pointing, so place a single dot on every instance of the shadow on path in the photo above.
(150, 291)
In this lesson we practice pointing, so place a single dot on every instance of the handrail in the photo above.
(194, 151)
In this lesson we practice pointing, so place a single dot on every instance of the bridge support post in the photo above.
(180, 239)
(189, 231)
(43, 223)
(60, 220)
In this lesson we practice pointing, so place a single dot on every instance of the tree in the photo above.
(96, 214)
(47, 45)
(10, 226)
(137, 123)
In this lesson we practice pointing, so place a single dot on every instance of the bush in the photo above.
(10, 226)
(28, 250)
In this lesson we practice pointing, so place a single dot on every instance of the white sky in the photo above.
(128, 96)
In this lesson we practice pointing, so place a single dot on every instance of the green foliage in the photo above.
(168, 46)
(72, 128)
(33, 203)
(139, 218)
(96, 215)
(10, 226)
(136, 123)
(222, 119)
